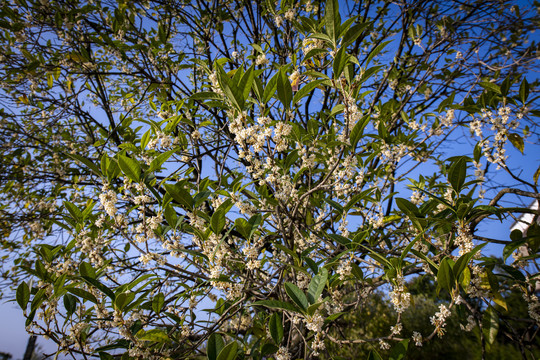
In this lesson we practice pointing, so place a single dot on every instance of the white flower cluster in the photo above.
(439, 319)
(417, 338)
(262, 60)
(252, 253)
(470, 324)
(167, 142)
(314, 323)
(318, 344)
(283, 354)
(533, 307)
(396, 329)
(464, 240)
(500, 125)
(344, 270)
(108, 200)
(309, 44)
(384, 345)
(417, 197)
(399, 297)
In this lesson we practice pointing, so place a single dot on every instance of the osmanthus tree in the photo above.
(227, 179)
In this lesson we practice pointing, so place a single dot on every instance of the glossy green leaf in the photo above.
(332, 19)
(296, 295)
(524, 90)
(340, 60)
(374, 355)
(275, 326)
(154, 335)
(457, 174)
(130, 167)
(399, 350)
(353, 33)
(229, 352)
(376, 52)
(316, 285)
(277, 304)
(445, 275)
(271, 87)
(159, 160)
(516, 141)
(70, 303)
(23, 295)
(217, 221)
(490, 324)
(214, 346)
(85, 269)
(180, 194)
(306, 90)
(89, 164)
(158, 302)
(83, 294)
(123, 299)
(491, 87)
(284, 88)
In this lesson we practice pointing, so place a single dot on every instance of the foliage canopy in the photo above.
(229, 179)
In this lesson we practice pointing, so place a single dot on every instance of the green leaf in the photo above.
(105, 356)
(229, 352)
(157, 303)
(316, 285)
(517, 141)
(408, 207)
(399, 350)
(92, 281)
(276, 304)
(130, 167)
(160, 160)
(83, 294)
(305, 90)
(512, 271)
(376, 51)
(73, 210)
(353, 33)
(23, 295)
(296, 295)
(246, 82)
(284, 88)
(230, 90)
(206, 95)
(70, 303)
(217, 222)
(271, 87)
(340, 60)
(154, 335)
(243, 227)
(93, 167)
(123, 299)
(464, 260)
(457, 174)
(214, 347)
(358, 131)
(490, 324)
(524, 90)
(276, 328)
(332, 19)
(491, 86)
(85, 269)
(374, 355)
(180, 194)
(445, 275)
